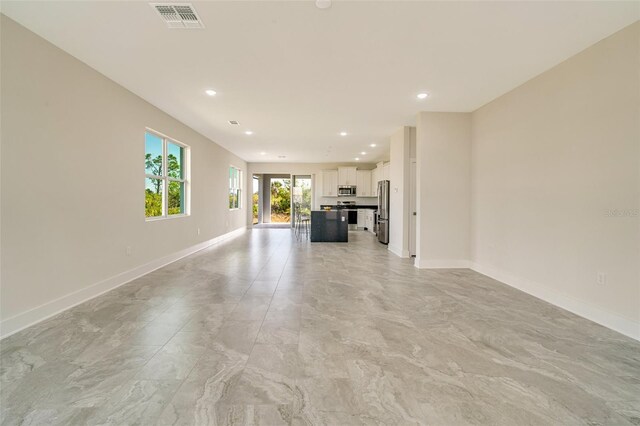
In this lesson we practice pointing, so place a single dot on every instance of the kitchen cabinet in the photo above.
(362, 218)
(369, 220)
(386, 172)
(347, 176)
(329, 183)
(363, 182)
(375, 173)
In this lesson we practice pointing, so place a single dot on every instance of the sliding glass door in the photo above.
(302, 196)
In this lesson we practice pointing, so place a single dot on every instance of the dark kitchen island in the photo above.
(329, 226)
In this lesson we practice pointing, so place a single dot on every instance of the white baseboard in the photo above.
(33, 316)
(442, 264)
(398, 251)
(584, 309)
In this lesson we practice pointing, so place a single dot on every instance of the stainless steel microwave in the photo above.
(346, 191)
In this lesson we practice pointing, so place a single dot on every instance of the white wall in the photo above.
(550, 160)
(73, 181)
(443, 155)
(399, 211)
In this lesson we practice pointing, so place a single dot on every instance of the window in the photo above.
(235, 185)
(166, 189)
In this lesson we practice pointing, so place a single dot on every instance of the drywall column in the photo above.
(399, 214)
(443, 162)
(265, 184)
(260, 198)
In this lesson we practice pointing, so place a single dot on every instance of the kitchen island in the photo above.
(329, 226)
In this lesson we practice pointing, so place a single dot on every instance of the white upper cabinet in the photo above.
(374, 182)
(347, 176)
(376, 176)
(363, 183)
(382, 172)
(329, 183)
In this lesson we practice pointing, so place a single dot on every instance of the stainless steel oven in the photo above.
(346, 191)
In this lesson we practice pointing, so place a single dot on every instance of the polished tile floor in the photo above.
(263, 329)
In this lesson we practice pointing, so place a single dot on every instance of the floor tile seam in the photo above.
(258, 274)
(267, 311)
(215, 335)
(37, 404)
(244, 366)
(169, 400)
(178, 387)
(276, 289)
(157, 352)
(284, 267)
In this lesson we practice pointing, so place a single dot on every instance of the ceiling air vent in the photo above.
(233, 122)
(178, 15)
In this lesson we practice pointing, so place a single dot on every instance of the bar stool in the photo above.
(302, 223)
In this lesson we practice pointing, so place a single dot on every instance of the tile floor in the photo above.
(266, 330)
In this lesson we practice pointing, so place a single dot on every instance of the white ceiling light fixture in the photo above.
(323, 4)
(423, 95)
(357, 158)
(343, 133)
(373, 145)
(210, 92)
(178, 15)
(263, 153)
(248, 132)
(363, 153)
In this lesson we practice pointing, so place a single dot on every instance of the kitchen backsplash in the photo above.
(334, 200)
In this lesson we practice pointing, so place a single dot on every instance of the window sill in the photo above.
(233, 210)
(159, 218)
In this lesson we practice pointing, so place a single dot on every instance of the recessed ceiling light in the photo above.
(373, 145)
(248, 132)
(357, 159)
(210, 92)
(263, 153)
(363, 153)
(323, 4)
(422, 95)
(343, 133)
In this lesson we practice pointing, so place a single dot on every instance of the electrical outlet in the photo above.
(127, 251)
(601, 278)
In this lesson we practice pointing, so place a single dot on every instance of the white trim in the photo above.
(33, 316)
(442, 264)
(398, 252)
(611, 320)
(161, 218)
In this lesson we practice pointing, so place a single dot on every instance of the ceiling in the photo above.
(297, 76)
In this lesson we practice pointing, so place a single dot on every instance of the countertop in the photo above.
(356, 207)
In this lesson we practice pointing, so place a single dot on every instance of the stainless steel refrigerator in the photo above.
(383, 211)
